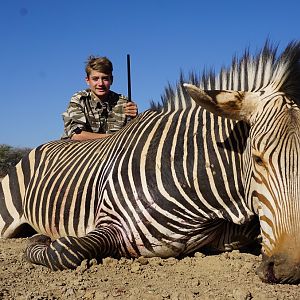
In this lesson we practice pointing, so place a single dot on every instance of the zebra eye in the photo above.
(258, 160)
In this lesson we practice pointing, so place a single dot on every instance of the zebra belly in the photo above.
(162, 249)
(170, 245)
(172, 248)
(62, 222)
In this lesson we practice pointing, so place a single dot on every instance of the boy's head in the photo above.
(99, 75)
(100, 64)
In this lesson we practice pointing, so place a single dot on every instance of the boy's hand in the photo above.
(130, 109)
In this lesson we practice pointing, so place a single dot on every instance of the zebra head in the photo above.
(272, 156)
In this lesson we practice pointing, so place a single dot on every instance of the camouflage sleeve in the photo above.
(117, 118)
(73, 117)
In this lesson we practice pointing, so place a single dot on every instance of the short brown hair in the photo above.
(100, 64)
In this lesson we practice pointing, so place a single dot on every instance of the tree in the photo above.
(9, 157)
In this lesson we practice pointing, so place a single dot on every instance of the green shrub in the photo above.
(9, 157)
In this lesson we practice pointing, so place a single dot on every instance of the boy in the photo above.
(97, 111)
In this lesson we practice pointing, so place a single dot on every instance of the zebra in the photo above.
(213, 166)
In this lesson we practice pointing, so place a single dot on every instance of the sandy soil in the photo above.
(224, 276)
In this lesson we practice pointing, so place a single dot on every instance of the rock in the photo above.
(199, 255)
(108, 261)
(135, 267)
(142, 260)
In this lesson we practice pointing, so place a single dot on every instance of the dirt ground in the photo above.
(224, 276)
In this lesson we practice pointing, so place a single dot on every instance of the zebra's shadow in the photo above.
(236, 141)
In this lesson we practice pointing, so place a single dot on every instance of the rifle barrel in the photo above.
(128, 78)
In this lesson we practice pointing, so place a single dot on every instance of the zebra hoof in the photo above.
(39, 239)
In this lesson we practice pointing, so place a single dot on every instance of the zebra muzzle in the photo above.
(279, 268)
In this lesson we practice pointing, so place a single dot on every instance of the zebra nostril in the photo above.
(266, 271)
(269, 275)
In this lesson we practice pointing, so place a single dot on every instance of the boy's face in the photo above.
(99, 83)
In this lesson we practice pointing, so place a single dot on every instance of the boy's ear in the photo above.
(112, 78)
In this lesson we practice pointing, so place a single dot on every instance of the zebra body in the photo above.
(198, 171)
(89, 182)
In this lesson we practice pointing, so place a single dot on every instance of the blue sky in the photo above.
(44, 45)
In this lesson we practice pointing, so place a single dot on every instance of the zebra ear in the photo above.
(235, 105)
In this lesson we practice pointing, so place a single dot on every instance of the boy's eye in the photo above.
(98, 78)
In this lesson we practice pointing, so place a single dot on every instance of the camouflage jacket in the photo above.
(88, 113)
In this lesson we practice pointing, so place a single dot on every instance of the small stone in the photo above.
(135, 267)
(155, 261)
(171, 261)
(108, 261)
(239, 294)
(199, 255)
(124, 261)
(142, 260)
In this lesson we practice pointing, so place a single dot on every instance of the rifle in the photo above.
(128, 82)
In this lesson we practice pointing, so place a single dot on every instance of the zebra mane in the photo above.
(265, 70)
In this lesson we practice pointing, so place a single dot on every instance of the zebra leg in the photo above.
(68, 252)
(233, 237)
(11, 206)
